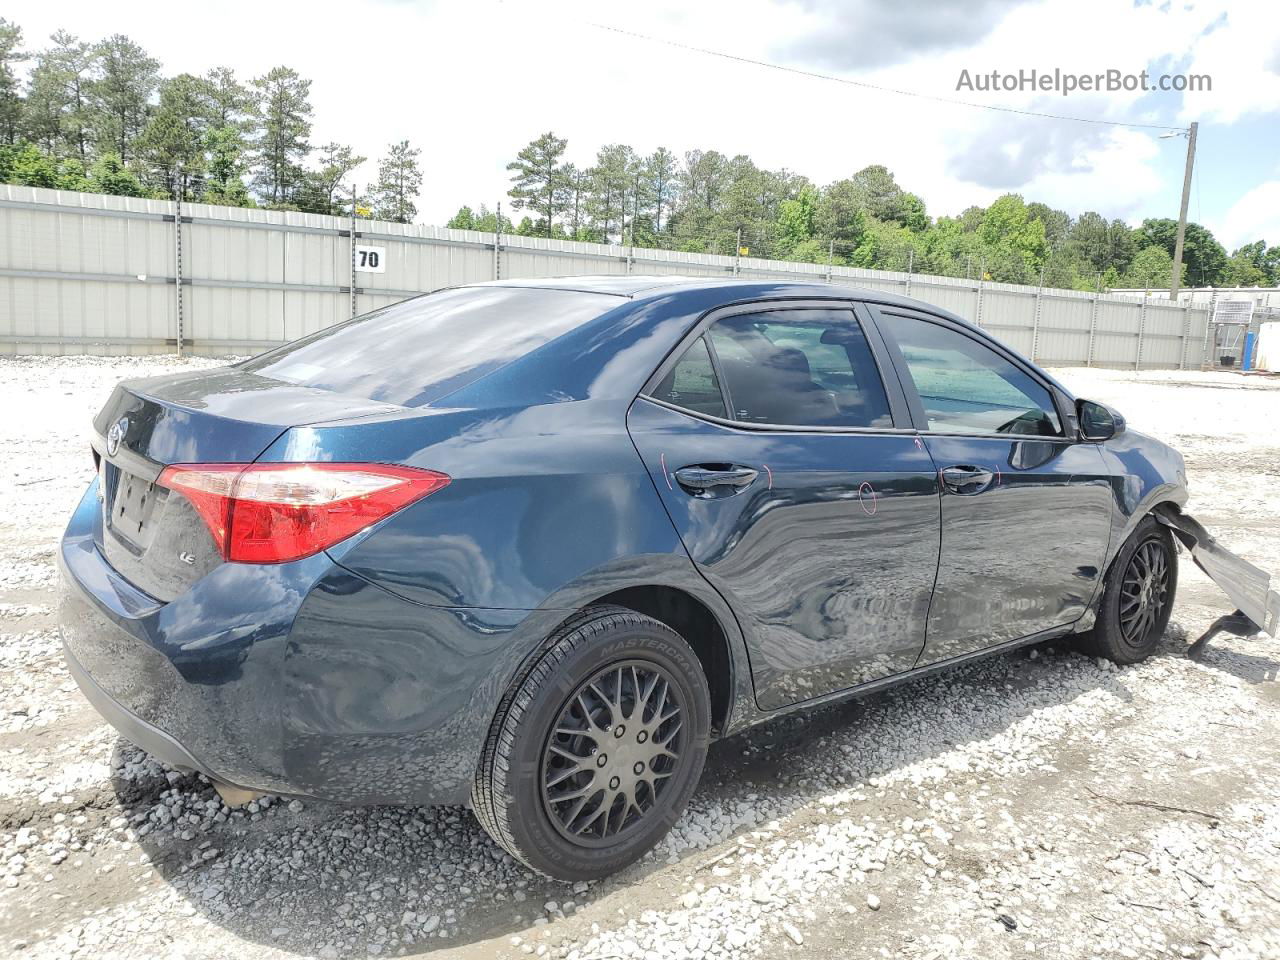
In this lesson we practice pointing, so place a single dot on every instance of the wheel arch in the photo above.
(1153, 508)
(1165, 498)
(698, 624)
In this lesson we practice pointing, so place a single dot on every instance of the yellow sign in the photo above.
(363, 211)
(744, 251)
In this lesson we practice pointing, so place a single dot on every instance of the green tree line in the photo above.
(707, 202)
(100, 117)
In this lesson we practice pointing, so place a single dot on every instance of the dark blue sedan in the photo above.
(530, 545)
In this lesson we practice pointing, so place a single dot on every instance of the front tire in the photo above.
(1137, 596)
(596, 747)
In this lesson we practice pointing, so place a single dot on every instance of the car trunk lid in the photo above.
(154, 537)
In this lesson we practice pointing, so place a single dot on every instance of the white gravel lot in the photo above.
(1038, 803)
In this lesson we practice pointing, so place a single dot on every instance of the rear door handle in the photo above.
(965, 479)
(708, 480)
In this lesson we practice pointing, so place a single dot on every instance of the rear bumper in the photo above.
(300, 678)
(194, 682)
(133, 728)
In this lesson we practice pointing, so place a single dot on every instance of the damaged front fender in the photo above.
(1247, 586)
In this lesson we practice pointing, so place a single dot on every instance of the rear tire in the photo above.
(1137, 596)
(596, 747)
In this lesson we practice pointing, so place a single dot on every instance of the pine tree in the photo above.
(10, 98)
(231, 103)
(172, 144)
(336, 163)
(539, 180)
(58, 109)
(611, 182)
(399, 180)
(120, 94)
(577, 185)
(660, 172)
(284, 105)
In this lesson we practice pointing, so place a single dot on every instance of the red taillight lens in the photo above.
(276, 512)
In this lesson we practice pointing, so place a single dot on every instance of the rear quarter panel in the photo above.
(549, 508)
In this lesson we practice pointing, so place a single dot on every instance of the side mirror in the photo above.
(1098, 422)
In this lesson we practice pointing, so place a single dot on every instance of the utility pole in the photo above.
(1175, 281)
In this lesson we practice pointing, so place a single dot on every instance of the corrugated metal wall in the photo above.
(83, 273)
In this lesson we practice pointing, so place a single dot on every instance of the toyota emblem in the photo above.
(115, 435)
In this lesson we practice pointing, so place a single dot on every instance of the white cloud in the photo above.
(1242, 56)
(1255, 216)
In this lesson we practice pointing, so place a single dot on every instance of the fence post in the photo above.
(497, 244)
(355, 192)
(1093, 331)
(177, 270)
(1205, 360)
(831, 256)
(911, 262)
(977, 318)
(1186, 335)
(1142, 329)
(1035, 319)
(737, 254)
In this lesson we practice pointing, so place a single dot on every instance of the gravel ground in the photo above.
(1036, 803)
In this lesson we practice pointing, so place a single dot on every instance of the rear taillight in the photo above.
(276, 512)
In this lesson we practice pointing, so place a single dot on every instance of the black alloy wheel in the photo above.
(1144, 592)
(1137, 596)
(612, 752)
(596, 746)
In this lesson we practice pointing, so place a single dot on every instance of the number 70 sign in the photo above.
(371, 259)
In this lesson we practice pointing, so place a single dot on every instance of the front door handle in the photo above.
(712, 480)
(965, 479)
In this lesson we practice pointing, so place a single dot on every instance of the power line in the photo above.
(872, 86)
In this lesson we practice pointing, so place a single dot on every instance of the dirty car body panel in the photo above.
(827, 557)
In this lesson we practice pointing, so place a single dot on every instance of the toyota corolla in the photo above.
(531, 545)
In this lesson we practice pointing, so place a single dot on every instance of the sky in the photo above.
(471, 82)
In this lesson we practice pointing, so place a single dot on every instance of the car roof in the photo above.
(735, 289)
(633, 286)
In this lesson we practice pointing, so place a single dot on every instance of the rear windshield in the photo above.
(420, 350)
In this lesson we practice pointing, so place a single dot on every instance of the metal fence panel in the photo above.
(1011, 317)
(90, 273)
(959, 300)
(1162, 335)
(1064, 330)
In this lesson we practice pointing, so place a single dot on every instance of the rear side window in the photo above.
(800, 368)
(692, 383)
(967, 387)
(420, 350)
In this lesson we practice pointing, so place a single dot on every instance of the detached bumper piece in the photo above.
(1248, 587)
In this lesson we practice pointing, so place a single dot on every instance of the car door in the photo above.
(1025, 507)
(798, 487)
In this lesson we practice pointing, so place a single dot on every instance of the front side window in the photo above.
(800, 368)
(967, 387)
